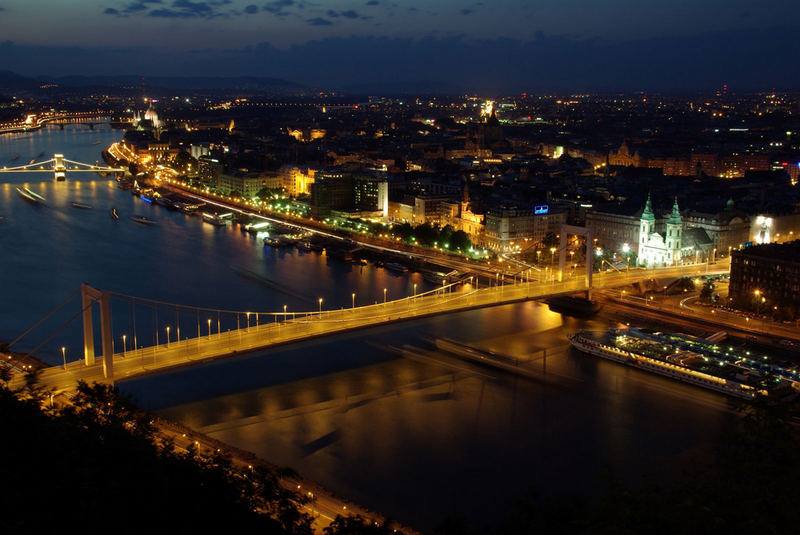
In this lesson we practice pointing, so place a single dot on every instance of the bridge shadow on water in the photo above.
(266, 368)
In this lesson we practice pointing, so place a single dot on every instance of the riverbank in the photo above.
(323, 506)
(450, 260)
(326, 505)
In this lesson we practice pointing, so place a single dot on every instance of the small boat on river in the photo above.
(142, 220)
(30, 196)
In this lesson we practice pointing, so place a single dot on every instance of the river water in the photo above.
(418, 437)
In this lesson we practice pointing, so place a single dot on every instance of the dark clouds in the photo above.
(319, 21)
(348, 14)
(176, 9)
(278, 7)
(188, 9)
(745, 60)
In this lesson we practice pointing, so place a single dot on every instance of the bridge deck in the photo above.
(190, 351)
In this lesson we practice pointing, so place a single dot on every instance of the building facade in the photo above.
(771, 271)
(515, 229)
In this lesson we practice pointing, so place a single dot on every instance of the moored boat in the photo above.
(114, 214)
(189, 209)
(436, 278)
(214, 219)
(394, 266)
(691, 360)
(573, 306)
(81, 205)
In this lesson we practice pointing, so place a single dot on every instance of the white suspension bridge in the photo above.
(59, 166)
(171, 335)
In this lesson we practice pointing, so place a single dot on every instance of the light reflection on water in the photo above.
(422, 438)
(51, 249)
(415, 438)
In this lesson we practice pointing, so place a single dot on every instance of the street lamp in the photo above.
(353, 298)
(552, 255)
(320, 306)
(124, 345)
(415, 289)
(284, 312)
(384, 296)
(167, 336)
(64, 356)
(209, 328)
(248, 320)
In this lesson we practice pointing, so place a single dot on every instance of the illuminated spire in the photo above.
(675, 216)
(648, 210)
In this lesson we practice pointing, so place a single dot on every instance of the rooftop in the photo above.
(789, 251)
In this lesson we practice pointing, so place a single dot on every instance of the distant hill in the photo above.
(193, 83)
(402, 87)
(10, 81)
(13, 81)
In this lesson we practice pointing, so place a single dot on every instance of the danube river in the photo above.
(419, 437)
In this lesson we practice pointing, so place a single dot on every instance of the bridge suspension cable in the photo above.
(61, 328)
(176, 306)
(53, 311)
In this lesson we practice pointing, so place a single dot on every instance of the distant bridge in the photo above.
(60, 166)
(196, 334)
(36, 121)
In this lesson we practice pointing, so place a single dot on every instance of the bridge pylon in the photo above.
(89, 296)
(587, 233)
(60, 170)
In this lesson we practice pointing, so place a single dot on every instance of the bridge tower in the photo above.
(587, 233)
(89, 296)
(59, 168)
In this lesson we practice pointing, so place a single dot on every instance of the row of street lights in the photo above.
(285, 315)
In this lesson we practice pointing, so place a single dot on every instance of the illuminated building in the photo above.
(297, 180)
(660, 242)
(771, 271)
(306, 134)
(513, 229)
(459, 216)
(246, 183)
(209, 170)
(334, 191)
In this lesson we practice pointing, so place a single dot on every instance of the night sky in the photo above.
(499, 45)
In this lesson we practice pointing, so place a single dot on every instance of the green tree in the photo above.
(707, 292)
(358, 525)
(683, 284)
(184, 161)
(460, 240)
(551, 240)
